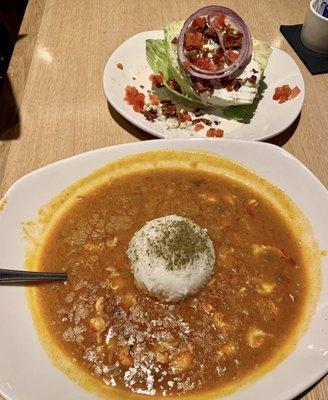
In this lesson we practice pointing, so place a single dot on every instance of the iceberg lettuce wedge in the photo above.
(159, 62)
(172, 30)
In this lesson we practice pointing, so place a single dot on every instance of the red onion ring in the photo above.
(247, 48)
(244, 55)
(210, 20)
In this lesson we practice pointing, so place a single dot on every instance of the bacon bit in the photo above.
(154, 99)
(219, 21)
(203, 120)
(210, 33)
(169, 109)
(192, 54)
(231, 84)
(157, 80)
(219, 58)
(150, 115)
(232, 55)
(252, 79)
(198, 127)
(134, 98)
(234, 85)
(214, 132)
(119, 66)
(232, 39)
(173, 84)
(174, 40)
(284, 93)
(201, 86)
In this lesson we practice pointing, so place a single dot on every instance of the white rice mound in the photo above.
(171, 257)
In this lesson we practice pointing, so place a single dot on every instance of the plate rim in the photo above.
(165, 140)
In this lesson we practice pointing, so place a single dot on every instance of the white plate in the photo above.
(26, 373)
(270, 118)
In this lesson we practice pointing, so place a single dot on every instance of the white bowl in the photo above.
(26, 372)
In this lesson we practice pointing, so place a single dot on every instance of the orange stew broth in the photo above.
(235, 324)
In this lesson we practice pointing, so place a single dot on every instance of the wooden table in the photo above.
(55, 80)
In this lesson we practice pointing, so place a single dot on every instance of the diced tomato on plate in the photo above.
(295, 92)
(134, 98)
(154, 99)
(184, 116)
(157, 80)
(284, 93)
(198, 127)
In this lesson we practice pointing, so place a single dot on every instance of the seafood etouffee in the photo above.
(245, 317)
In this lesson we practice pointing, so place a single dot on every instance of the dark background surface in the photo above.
(11, 15)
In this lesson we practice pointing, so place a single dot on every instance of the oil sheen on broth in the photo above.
(210, 340)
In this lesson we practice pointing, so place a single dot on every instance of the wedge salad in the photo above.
(208, 62)
(211, 56)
